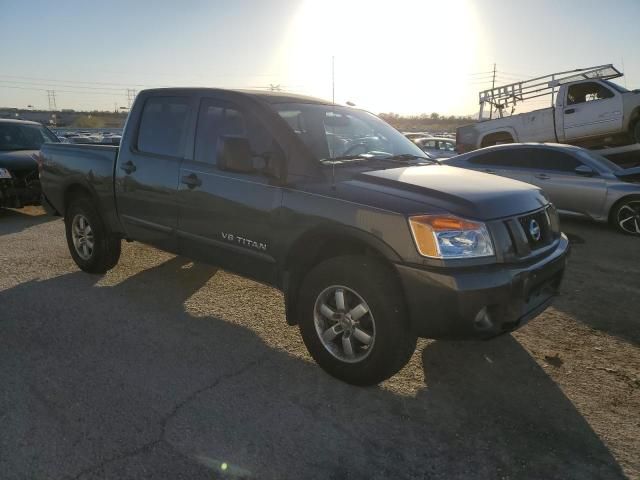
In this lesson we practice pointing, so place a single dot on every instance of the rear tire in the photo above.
(625, 215)
(93, 247)
(371, 318)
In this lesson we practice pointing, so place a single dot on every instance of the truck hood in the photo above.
(18, 160)
(463, 192)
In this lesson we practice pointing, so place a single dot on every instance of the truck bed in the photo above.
(91, 166)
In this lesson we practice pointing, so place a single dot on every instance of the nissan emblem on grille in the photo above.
(534, 229)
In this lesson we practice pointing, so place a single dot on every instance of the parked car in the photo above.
(110, 140)
(578, 181)
(437, 147)
(19, 141)
(415, 135)
(372, 244)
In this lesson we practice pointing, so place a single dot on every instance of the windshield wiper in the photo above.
(368, 156)
(411, 156)
(345, 159)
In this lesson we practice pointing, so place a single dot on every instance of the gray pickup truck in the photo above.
(372, 243)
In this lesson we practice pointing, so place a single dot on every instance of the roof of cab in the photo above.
(264, 95)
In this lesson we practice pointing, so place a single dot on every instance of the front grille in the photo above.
(537, 229)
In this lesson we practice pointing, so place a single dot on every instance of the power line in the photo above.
(51, 84)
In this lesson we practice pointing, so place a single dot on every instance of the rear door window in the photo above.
(502, 158)
(163, 126)
(553, 160)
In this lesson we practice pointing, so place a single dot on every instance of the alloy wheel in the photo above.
(82, 236)
(629, 217)
(344, 324)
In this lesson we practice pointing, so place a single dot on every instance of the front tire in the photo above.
(625, 216)
(353, 320)
(92, 246)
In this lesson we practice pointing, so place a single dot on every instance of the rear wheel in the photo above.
(92, 246)
(353, 320)
(625, 216)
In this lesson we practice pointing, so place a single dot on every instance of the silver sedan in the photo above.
(579, 182)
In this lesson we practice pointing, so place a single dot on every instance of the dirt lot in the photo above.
(165, 369)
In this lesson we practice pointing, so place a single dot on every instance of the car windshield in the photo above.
(15, 136)
(335, 132)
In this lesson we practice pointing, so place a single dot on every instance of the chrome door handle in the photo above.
(488, 170)
(191, 180)
(569, 111)
(543, 176)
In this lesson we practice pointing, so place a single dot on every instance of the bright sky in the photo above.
(391, 55)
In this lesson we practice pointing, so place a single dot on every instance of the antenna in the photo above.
(333, 103)
(333, 80)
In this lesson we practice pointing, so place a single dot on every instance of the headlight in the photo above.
(4, 173)
(447, 236)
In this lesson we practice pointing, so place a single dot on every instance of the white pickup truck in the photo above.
(587, 110)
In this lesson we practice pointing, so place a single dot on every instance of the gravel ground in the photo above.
(167, 369)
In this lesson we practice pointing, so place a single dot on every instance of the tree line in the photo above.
(426, 121)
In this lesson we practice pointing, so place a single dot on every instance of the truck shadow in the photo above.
(122, 382)
(602, 278)
(14, 221)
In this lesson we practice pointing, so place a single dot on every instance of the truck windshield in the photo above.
(337, 132)
(15, 136)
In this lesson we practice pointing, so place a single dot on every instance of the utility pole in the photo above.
(131, 95)
(493, 85)
(51, 97)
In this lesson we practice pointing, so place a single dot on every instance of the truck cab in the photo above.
(590, 108)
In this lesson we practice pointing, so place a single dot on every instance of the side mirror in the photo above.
(234, 154)
(585, 171)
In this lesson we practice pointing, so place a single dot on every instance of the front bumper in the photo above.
(481, 302)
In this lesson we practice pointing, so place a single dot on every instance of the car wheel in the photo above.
(625, 216)
(93, 247)
(353, 320)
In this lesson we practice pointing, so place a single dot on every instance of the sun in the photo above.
(397, 55)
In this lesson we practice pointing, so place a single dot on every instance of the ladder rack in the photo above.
(500, 98)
